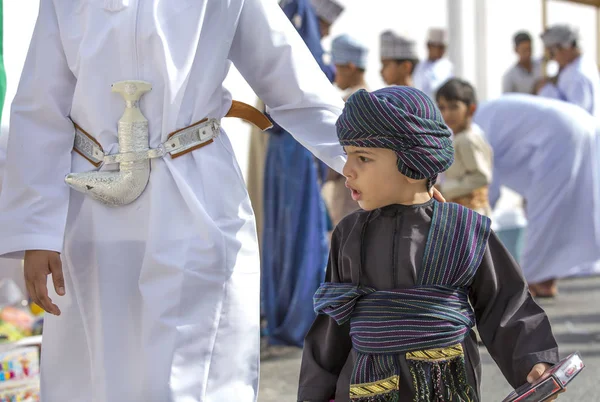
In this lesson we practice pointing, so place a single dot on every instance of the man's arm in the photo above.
(34, 199)
(578, 90)
(274, 60)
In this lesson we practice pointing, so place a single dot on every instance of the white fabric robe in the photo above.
(547, 151)
(429, 76)
(10, 269)
(578, 83)
(162, 298)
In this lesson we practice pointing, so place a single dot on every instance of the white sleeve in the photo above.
(34, 198)
(578, 91)
(274, 60)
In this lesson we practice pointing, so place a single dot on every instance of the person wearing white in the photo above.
(161, 296)
(430, 74)
(578, 80)
(547, 151)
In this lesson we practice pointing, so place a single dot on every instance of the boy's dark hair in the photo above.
(414, 63)
(521, 37)
(456, 89)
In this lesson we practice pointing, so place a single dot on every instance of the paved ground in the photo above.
(575, 315)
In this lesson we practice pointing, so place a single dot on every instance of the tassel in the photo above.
(115, 5)
(440, 375)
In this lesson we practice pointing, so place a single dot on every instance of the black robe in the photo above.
(515, 330)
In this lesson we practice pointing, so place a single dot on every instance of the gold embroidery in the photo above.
(436, 355)
(368, 389)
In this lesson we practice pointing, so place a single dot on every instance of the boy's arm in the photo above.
(326, 346)
(478, 168)
(274, 60)
(515, 330)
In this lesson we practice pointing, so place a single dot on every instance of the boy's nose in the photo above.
(347, 171)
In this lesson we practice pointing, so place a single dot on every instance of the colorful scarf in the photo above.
(404, 120)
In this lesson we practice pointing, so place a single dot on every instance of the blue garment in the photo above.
(295, 245)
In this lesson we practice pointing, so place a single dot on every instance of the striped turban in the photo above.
(404, 120)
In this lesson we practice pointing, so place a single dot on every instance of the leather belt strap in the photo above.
(178, 143)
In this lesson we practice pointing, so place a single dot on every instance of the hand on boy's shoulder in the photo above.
(435, 193)
(538, 371)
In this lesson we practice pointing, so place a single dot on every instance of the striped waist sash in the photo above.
(398, 321)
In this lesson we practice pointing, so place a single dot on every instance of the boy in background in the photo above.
(466, 182)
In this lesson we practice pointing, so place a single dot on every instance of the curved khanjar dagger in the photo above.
(127, 184)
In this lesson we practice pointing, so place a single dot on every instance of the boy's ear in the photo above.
(472, 109)
(413, 181)
(406, 66)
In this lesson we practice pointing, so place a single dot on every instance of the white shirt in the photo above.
(518, 79)
(429, 76)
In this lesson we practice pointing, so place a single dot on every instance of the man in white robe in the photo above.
(161, 296)
(578, 80)
(430, 74)
(547, 151)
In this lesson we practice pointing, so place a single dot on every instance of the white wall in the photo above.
(365, 19)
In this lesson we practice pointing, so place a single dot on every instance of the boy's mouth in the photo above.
(356, 195)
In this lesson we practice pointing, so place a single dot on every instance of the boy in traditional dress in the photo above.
(408, 277)
(466, 181)
(398, 59)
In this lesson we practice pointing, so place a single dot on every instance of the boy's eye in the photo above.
(363, 159)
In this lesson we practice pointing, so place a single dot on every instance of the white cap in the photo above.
(346, 49)
(437, 36)
(327, 10)
(397, 47)
(560, 35)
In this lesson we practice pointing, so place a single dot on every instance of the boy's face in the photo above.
(435, 51)
(561, 55)
(344, 75)
(393, 72)
(324, 28)
(523, 50)
(457, 114)
(373, 178)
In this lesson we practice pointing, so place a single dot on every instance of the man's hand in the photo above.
(537, 372)
(435, 193)
(38, 265)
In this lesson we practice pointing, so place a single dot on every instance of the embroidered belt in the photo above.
(177, 144)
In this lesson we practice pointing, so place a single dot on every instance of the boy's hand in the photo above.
(537, 372)
(38, 265)
(435, 193)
